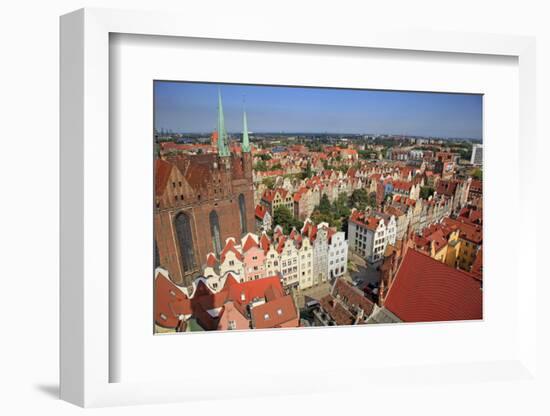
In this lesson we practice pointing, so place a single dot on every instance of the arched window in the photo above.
(242, 211)
(157, 256)
(185, 240)
(215, 232)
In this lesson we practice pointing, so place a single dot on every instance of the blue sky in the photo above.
(191, 107)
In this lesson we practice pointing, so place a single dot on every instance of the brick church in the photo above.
(200, 200)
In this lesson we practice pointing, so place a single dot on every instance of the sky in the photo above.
(192, 108)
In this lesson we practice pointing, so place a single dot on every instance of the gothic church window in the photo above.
(185, 240)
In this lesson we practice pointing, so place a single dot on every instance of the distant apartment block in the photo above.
(477, 155)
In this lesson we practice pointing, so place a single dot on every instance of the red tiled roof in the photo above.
(396, 212)
(162, 173)
(274, 313)
(204, 299)
(281, 244)
(260, 211)
(468, 231)
(170, 302)
(269, 194)
(471, 215)
(230, 246)
(298, 195)
(476, 185)
(249, 243)
(360, 218)
(337, 311)
(404, 200)
(352, 296)
(402, 185)
(447, 188)
(211, 260)
(427, 290)
(265, 242)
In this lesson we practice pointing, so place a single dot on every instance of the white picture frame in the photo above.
(85, 352)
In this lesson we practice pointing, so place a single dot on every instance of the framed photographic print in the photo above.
(314, 207)
(307, 220)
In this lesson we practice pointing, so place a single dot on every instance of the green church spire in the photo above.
(246, 144)
(223, 148)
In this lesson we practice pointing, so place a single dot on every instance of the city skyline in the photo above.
(192, 108)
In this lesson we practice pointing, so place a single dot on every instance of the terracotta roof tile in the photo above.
(162, 173)
(427, 290)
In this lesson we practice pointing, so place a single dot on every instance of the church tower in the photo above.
(223, 146)
(245, 147)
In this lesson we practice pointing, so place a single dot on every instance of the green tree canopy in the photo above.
(426, 192)
(261, 166)
(324, 205)
(361, 199)
(307, 172)
(269, 182)
(477, 174)
(283, 217)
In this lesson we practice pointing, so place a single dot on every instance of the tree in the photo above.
(359, 199)
(477, 174)
(372, 200)
(307, 172)
(261, 166)
(269, 182)
(340, 207)
(276, 166)
(283, 217)
(265, 157)
(426, 192)
(324, 205)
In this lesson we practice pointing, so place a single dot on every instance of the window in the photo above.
(157, 256)
(215, 231)
(242, 212)
(231, 325)
(266, 317)
(185, 241)
(163, 317)
(279, 312)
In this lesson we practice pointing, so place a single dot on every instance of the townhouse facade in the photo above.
(304, 258)
(369, 234)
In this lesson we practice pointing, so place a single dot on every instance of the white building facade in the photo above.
(320, 255)
(337, 260)
(369, 235)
